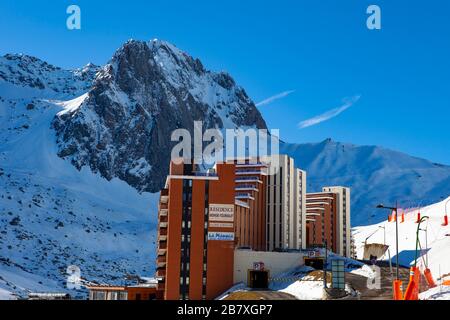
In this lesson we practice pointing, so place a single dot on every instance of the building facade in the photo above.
(343, 223)
(254, 205)
(321, 226)
(285, 204)
(328, 219)
(196, 232)
(250, 201)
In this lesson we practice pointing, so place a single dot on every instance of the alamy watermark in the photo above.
(374, 20)
(73, 21)
(73, 277)
(374, 281)
(211, 146)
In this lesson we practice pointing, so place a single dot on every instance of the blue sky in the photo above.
(321, 50)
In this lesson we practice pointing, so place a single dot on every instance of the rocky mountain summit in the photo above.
(122, 127)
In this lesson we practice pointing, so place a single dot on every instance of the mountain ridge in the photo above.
(375, 174)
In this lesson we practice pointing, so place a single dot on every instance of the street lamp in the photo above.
(381, 206)
(396, 286)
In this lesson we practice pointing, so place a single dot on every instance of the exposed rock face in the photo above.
(123, 126)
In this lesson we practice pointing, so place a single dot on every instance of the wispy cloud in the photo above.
(348, 102)
(275, 97)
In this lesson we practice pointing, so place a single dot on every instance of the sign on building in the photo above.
(221, 225)
(221, 212)
(258, 266)
(315, 253)
(338, 273)
(221, 236)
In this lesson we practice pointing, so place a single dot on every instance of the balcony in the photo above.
(251, 165)
(161, 261)
(162, 234)
(245, 179)
(241, 196)
(161, 285)
(246, 187)
(161, 272)
(162, 245)
(251, 171)
(163, 206)
(163, 224)
(205, 174)
(163, 218)
(163, 212)
(164, 196)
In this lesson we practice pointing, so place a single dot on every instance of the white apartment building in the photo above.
(299, 236)
(286, 204)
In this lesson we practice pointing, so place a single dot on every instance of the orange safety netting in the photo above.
(398, 294)
(429, 278)
(412, 291)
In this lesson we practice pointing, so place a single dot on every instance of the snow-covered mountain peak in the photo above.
(27, 76)
(148, 89)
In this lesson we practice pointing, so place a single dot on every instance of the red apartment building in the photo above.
(328, 218)
(203, 216)
(321, 220)
(251, 179)
(196, 232)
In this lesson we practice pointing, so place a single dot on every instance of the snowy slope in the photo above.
(26, 77)
(438, 238)
(375, 175)
(52, 215)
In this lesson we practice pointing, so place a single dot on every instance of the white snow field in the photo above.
(436, 255)
(53, 216)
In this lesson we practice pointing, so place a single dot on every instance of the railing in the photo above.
(247, 178)
(205, 174)
(242, 194)
(245, 186)
(250, 171)
(163, 224)
(254, 164)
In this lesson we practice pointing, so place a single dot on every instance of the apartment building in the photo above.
(321, 216)
(260, 205)
(285, 204)
(250, 201)
(328, 219)
(196, 236)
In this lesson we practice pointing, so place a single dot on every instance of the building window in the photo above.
(185, 238)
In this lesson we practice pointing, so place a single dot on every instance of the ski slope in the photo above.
(437, 236)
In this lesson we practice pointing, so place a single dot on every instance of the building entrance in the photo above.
(258, 279)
